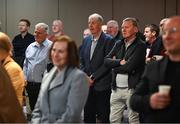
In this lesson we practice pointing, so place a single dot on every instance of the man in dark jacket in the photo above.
(127, 59)
(153, 42)
(93, 50)
(155, 106)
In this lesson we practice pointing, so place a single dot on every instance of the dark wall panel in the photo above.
(34, 10)
(146, 11)
(74, 14)
(3, 15)
(170, 7)
(178, 6)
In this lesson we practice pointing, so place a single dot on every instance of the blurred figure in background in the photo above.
(57, 30)
(10, 109)
(22, 41)
(14, 70)
(104, 28)
(65, 89)
(161, 25)
(86, 32)
(113, 30)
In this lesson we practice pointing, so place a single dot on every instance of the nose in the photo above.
(35, 34)
(123, 30)
(55, 53)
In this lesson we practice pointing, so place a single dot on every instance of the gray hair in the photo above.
(44, 26)
(133, 20)
(114, 23)
(96, 16)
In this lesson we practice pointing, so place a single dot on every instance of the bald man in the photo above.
(57, 30)
(156, 106)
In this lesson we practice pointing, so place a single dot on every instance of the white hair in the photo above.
(114, 23)
(44, 26)
(96, 16)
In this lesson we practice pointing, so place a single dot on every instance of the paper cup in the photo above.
(164, 89)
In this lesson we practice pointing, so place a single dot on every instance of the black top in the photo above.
(158, 73)
(135, 61)
(156, 48)
(19, 45)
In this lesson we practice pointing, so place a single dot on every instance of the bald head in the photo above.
(171, 35)
(57, 26)
(173, 22)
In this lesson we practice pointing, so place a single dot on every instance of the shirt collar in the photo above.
(44, 43)
(97, 38)
(127, 44)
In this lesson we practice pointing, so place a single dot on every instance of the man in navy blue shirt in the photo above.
(22, 41)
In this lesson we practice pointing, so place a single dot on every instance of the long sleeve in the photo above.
(76, 99)
(137, 59)
(110, 61)
(103, 70)
(36, 113)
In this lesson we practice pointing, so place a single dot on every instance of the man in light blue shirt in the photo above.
(36, 60)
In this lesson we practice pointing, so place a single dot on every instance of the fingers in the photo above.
(159, 101)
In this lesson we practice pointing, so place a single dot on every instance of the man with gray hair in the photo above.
(36, 61)
(94, 48)
(127, 60)
(113, 30)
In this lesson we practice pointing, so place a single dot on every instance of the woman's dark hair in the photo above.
(73, 59)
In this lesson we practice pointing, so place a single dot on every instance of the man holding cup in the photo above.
(157, 96)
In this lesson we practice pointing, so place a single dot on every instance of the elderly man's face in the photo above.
(112, 30)
(94, 26)
(40, 34)
(128, 29)
(171, 36)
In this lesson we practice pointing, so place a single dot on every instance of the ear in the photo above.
(136, 29)
(153, 33)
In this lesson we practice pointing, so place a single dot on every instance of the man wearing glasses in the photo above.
(158, 107)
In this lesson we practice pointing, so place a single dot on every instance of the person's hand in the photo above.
(159, 101)
(25, 82)
(90, 81)
(148, 60)
(122, 62)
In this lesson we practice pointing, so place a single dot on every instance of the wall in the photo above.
(74, 13)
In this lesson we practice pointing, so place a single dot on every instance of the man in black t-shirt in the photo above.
(22, 41)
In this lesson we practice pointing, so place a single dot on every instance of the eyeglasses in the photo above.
(170, 31)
